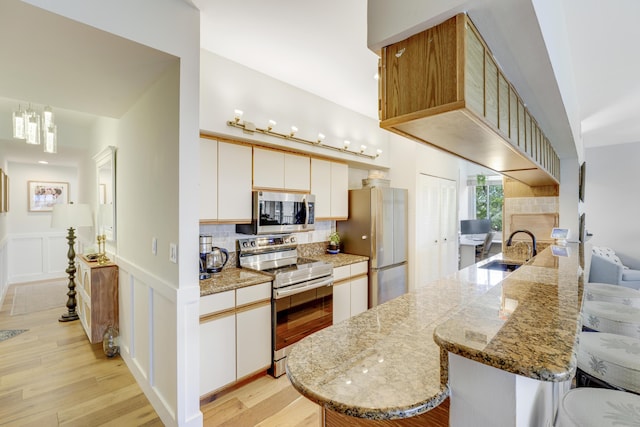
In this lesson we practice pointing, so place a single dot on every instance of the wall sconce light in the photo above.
(250, 128)
(237, 115)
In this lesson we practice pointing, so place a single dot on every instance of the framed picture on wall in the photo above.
(43, 195)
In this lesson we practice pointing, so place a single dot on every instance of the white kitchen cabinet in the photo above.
(217, 353)
(341, 301)
(297, 172)
(253, 341)
(253, 323)
(359, 295)
(339, 190)
(268, 169)
(277, 170)
(350, 290)
(225, 181)
(330, 185)
(234, 182)
(208, 179)
(235, 335)
(217, 341)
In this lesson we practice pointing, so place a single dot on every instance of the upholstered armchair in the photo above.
(606, 267)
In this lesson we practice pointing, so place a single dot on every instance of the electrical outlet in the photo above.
(173, 253)
(154, 246)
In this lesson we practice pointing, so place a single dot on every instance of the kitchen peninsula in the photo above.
(399, 359)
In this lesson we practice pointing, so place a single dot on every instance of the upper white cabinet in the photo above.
(268, 167)
(297, 170)
(277, 170)
(234, 182)
(208, 179)
(329, 183)
(225, 182)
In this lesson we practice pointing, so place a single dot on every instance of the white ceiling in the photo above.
(321, 47)
(82, 73)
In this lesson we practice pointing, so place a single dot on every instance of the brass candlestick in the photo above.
(102, 257)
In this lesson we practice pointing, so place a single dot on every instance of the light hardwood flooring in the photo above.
(52, 376)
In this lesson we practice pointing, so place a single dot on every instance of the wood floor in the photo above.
(52, 376)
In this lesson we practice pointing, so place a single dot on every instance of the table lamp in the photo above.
(70, 217)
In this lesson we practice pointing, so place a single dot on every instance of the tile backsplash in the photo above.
(225, 236)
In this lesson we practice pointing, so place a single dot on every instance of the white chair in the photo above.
(611, 317)
(593, 407)
(606, 267)
(612, 293)
(608, 360)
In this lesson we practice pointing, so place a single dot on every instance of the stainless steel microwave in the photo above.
(275, 212)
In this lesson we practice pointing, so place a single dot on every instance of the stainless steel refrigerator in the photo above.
(377, 228)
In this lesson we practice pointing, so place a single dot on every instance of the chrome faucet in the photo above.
(533, 238)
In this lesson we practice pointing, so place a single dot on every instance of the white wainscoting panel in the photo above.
(142, 327)
(149, 342)
(36, 256)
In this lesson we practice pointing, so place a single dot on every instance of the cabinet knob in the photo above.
(364, 237)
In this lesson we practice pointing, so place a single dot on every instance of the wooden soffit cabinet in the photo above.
(443, 87)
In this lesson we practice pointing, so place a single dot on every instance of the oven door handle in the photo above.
(307, 286)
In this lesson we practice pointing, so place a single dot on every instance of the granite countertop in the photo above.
(340, 259)
(231, 278)
(385, 363)
(528, 325)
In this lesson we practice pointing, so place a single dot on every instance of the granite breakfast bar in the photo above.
(397, 361)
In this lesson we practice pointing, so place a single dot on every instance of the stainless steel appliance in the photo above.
(377, 228)
(302, 300)
(280, 213)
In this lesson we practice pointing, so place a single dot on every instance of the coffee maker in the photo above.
(206, 241)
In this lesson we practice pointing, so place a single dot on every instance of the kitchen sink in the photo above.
(501, 265)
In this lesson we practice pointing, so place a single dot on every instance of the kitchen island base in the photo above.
(482, 395)
(437, 417)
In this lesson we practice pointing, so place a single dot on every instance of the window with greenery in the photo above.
(489, 197)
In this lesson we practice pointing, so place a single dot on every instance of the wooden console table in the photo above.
(97, 295)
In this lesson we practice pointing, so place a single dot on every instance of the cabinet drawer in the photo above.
(250, 294)
(217, 302)
(341, 273)
(359, 268)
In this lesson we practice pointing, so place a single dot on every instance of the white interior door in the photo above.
(436, 219)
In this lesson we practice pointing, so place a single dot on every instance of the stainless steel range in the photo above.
(302, 300)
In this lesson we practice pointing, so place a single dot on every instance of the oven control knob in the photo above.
(245, 244)
(293, 239)
(253, 243)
